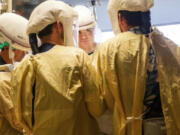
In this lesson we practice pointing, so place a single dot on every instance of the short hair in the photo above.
(46, 31)
(138, 18)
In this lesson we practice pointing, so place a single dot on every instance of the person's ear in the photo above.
(120, 19)
(122, 23)
(59, 27)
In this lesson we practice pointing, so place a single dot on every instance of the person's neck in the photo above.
(92, 49)
(52, 42)
(126, 28)
(55, 41)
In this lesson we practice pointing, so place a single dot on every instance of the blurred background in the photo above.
(165, 15)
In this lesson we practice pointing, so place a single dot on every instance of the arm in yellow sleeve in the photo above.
(23, 78)
(102, 63)
(93, 97)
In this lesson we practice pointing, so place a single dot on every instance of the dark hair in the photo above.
(34, 43)
(46, 31)
(142, 19)
(33, 37)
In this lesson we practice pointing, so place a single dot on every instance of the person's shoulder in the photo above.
(119, 40)
(59, 49)
(126, 36)
(77, 53)
(27, 61)
(5, 68)
(121, 37)
(5, 76)
(58, 52)
(74, 49)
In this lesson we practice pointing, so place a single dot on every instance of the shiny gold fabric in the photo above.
(66, 93)
(168, 56)
(122, 62)
(8, 125)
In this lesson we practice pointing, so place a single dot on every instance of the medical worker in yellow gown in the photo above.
(14, 45)
(87, 25)
(140, 72)
(57, 91)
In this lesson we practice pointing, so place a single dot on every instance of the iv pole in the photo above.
(94, 3)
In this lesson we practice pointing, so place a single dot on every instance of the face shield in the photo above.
(15, 50)
(97, 35)
(71, 31)
(75, 33)
(88, 30)
(55, 11)
(13, 40)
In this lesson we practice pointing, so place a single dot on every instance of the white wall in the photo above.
(164, 12)
(170, 31)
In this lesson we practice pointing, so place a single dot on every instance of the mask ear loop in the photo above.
(75, 33)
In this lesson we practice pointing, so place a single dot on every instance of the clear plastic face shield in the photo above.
(97, 35)
(89, 33)
(10, 50)
(75, 29)
(87, 39)
(86, 35)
